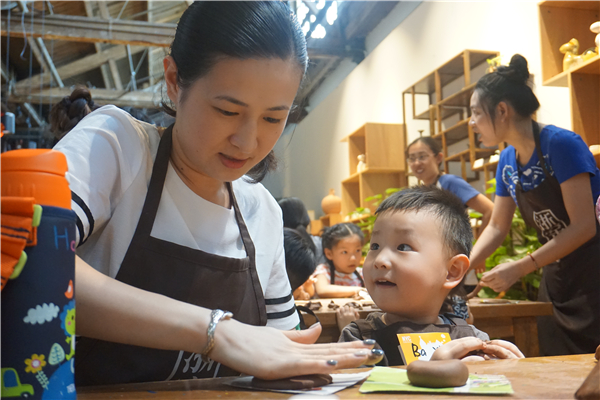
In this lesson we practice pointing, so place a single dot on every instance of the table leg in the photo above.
(526, 335)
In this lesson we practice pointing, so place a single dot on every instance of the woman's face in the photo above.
(231, 118)
(423, 163)
(481, 123)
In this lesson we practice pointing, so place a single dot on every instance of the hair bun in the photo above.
(81, 92)
(516, 71)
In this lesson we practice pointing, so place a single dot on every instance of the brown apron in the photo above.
(184, 274)
(387, 338)
(571, 283)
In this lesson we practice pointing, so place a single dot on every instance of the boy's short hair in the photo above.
(449, 209)
(299, 258)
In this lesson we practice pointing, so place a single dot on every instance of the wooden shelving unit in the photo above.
(561, 21)
(383, 146)
(455, 103)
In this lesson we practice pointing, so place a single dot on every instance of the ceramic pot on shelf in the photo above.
(331, 204)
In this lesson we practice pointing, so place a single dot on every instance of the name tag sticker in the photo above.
(420, 346)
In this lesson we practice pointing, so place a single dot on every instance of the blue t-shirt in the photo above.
(565, 154)
(458, 187)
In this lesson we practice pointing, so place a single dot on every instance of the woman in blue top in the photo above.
(551, 175)
(425, 157)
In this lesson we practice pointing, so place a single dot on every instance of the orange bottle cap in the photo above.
(37, 173)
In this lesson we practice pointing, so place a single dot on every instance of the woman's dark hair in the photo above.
(510, 84)
(294, 212)
(70, 110)
(211, 30)
(299, 257)
(332, 235)
(430, 142)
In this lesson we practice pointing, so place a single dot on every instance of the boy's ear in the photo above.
(457, 268)
(328, 254)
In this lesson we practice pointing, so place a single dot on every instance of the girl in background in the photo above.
(341, 276)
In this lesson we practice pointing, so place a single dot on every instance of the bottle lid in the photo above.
(34, 160)
(37, 173)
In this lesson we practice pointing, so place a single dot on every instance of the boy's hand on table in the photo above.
(459, 349)
(501, 349)
(474, 349)
(344, 315)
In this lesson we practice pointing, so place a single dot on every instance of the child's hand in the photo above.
(345, 315)
(466, 349)
(501, 349)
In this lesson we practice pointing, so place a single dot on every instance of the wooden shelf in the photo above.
(378, 142)
(450, 71)
(356, 176)
(383, 147)
(457, 102)
(458, 156)
(485, 165)
(560, 21)
(455, 133)
(591, 66)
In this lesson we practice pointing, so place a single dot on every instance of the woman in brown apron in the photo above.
(233, 73)
(551, 175)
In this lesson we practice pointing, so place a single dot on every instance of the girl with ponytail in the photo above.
(552, 176)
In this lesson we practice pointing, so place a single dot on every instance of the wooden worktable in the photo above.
(509, 319)
(531, 378)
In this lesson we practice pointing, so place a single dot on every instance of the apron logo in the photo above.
(194, 365)
(548, 223)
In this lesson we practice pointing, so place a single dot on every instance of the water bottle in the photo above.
(38, 297)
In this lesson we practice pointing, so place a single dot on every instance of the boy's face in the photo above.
(407, 264)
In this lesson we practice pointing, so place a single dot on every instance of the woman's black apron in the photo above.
(571, 283)
(184, 274)
(387, 338)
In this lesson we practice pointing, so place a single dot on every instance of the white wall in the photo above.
(434, 32)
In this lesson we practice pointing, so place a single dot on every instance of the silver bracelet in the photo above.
(215, 316)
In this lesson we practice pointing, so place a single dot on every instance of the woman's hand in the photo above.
(502, 276)
(268, 353)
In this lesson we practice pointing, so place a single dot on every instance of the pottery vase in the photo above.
(331, 204)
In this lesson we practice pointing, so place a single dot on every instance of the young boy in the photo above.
(418, 253)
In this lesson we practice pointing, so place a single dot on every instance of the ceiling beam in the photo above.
(90, 30)
(363, 16)
(4, 73)
(120, 98)
(78, 67)
(39, 49)
(89, 11)
(94, 30)
(33, 114)
(104, 13)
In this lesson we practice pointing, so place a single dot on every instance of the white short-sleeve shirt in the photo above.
(110, 156)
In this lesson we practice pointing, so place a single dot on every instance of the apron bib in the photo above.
(387, 338)
(571, 284)
(184, 274)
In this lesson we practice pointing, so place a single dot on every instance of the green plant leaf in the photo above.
(375, 197)
(475, 214)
